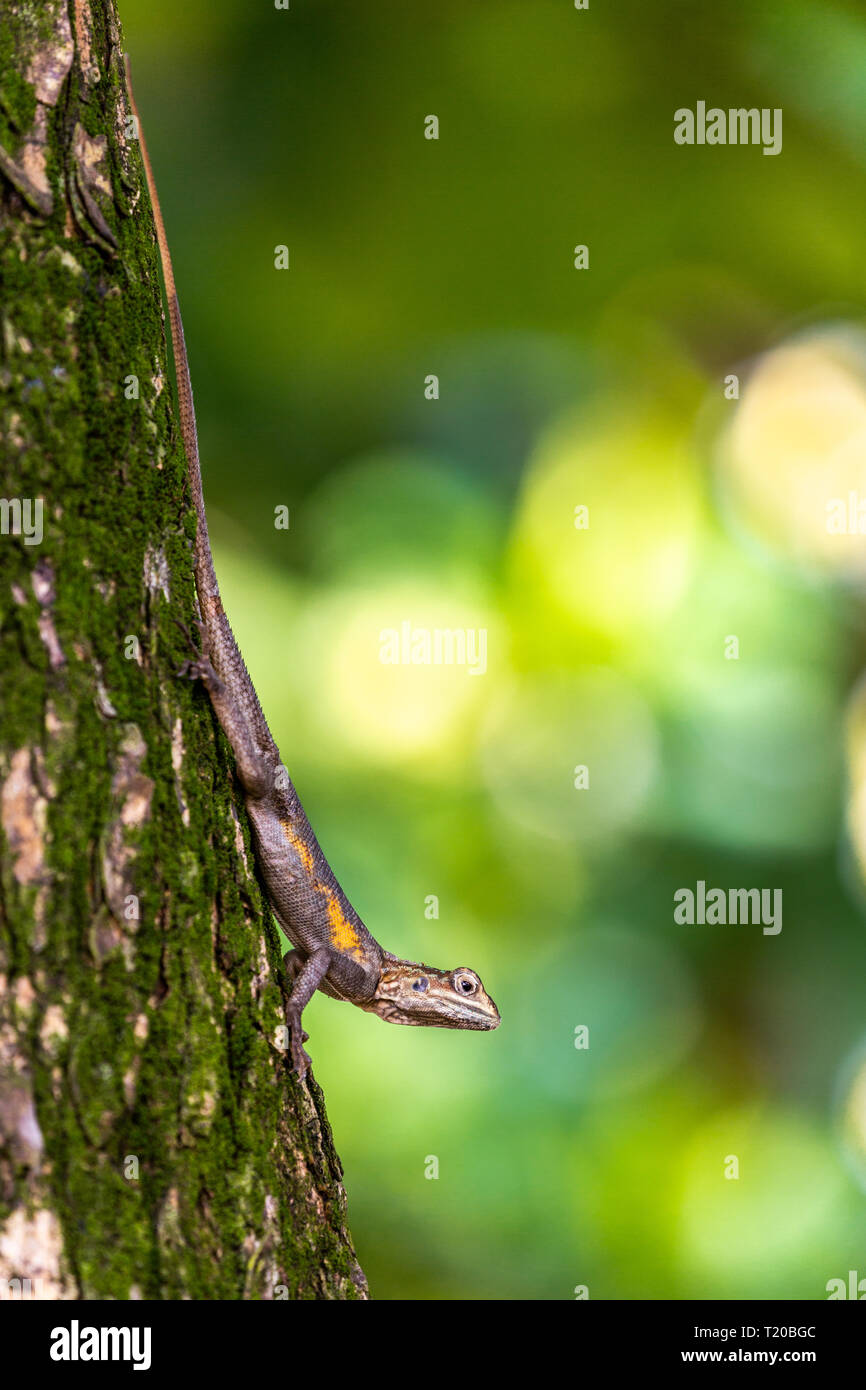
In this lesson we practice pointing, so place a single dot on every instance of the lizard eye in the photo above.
(465, 984)
(420, 984)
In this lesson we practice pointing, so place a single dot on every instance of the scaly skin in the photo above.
(334, 951)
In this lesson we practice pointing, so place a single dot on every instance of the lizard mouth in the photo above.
(481, 1019)
(476, 1019)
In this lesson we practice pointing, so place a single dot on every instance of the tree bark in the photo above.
(153, 1143)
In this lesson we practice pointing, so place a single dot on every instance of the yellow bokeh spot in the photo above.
(398, 669)
(608, 524)
(792, 462)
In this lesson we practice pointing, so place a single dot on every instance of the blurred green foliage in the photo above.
(558, 1166)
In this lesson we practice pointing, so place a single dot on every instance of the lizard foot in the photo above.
(301, 1061)
(198, 666)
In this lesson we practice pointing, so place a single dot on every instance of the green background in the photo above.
(557, 1166)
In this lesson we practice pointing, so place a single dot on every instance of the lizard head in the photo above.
(419, 994)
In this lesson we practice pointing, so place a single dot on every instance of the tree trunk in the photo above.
(152, 1141)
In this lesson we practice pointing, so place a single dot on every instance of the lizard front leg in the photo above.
(306, 974)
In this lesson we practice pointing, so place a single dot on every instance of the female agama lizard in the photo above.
(333, 950)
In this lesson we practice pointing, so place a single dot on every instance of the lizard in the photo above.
(333, 951)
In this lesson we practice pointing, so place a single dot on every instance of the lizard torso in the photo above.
(302, 888)
(307, 900)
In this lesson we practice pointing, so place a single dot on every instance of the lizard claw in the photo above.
(198, 665)
(198, 668)
(301, 1061)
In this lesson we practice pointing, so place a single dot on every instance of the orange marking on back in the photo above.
(298, 844)
(343, 935)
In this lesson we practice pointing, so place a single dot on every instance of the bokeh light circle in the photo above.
(791, 463)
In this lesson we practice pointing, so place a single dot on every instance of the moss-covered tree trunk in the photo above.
(152, 1141)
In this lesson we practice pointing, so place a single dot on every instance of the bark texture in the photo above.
(152, 1141)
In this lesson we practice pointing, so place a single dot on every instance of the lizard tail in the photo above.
(205, 574)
